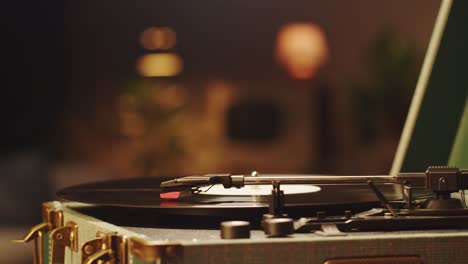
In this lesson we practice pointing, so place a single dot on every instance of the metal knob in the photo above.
(235, 229)
(278, 227)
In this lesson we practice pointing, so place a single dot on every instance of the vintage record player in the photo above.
(270, 218)
(416, 214)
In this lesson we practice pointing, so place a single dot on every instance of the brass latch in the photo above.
(36, 233)
(53, 218)
(107, 248)
(65, 236)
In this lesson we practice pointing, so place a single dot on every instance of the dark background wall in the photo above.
(65, 63)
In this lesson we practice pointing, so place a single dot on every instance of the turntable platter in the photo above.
(145, 193)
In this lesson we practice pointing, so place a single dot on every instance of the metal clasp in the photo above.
(53, 218)
(62, 237)
(36, 233)
(107, 248)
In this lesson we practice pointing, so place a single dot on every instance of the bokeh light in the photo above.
(159, 65)
(301, 49)
(162, 38)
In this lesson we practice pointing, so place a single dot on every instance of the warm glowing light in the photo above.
(154, 38)
(301, 48)
(159, 65)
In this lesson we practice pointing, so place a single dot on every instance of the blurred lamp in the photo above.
(155, 38)
(301, 49)
(159, 65)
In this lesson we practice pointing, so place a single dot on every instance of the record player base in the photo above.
(142, 245)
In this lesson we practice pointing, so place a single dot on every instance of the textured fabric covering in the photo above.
(205, 246)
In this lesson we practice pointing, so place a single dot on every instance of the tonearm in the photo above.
(438, 179)
(438, 211)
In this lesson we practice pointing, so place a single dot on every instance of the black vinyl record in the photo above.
(146, 193)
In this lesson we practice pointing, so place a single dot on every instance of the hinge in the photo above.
(53, 218)
(155, 252)
(62, 237)
(107, 248)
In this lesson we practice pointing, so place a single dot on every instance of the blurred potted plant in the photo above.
(381, 103)
(151, 113)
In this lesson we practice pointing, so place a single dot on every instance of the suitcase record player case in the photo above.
(82, 236)
(436, 132)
